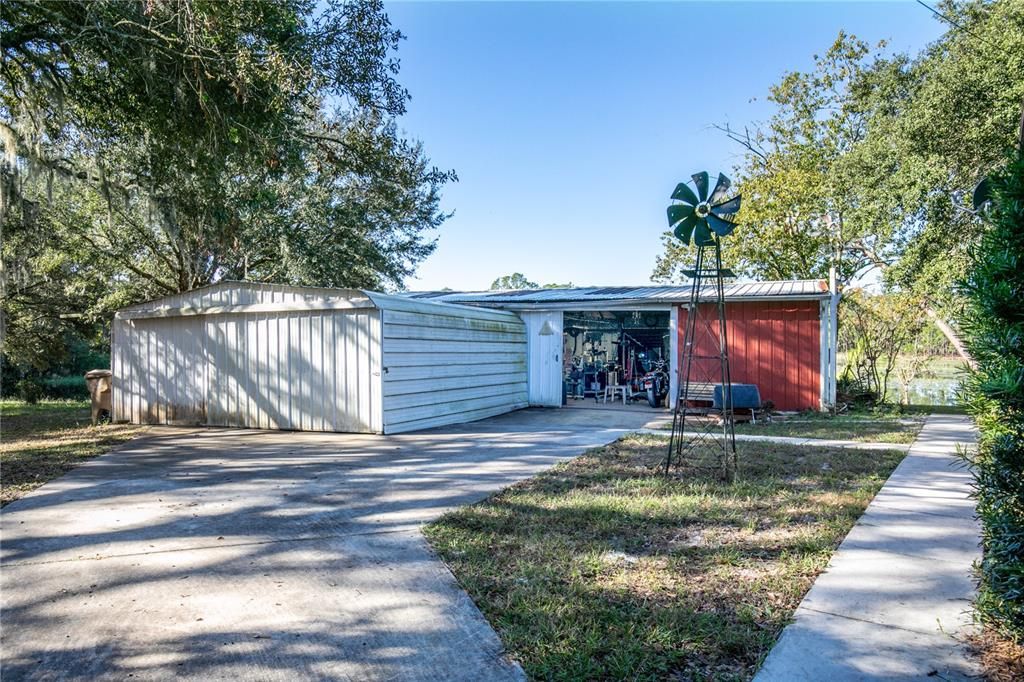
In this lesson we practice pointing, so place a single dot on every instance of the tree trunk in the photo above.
(950, 334)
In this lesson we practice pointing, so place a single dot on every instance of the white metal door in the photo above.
(544, 357)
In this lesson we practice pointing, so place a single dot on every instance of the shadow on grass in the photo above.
(604, 569)
(870, 425)
(46, 440)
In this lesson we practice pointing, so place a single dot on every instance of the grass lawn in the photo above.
(603, 569)
(41, 442)
(882, 425)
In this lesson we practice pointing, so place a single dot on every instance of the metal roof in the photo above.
(234, 296)
(802, 289)
(238, 295)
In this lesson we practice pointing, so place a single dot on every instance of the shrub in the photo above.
(994, 394)
(853, 391)
(29, 390)
(65, 388)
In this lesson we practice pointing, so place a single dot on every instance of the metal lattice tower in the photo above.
(704, 439)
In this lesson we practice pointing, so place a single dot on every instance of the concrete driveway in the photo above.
(265, 555)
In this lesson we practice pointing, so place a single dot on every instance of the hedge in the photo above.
(54, 388)
(993, 325)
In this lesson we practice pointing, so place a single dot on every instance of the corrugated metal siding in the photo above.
(313, 371)
(449, 364)
(774, 344)
(313, 364)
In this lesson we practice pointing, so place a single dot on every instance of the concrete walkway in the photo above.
(260, 555)
(897, 593)
(790, 440)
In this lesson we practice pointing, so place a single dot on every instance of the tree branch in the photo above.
(746, 140)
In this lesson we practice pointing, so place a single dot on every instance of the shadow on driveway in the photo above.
(267, 555)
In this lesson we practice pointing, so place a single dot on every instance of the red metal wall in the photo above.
(774, 344)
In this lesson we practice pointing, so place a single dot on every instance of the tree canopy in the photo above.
(518, 280)
(157, 146)
(869, 159)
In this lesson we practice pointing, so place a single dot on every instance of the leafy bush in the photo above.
(65, 388)
(994, 394)
(51, 387)
(29, 390)
(851, 390)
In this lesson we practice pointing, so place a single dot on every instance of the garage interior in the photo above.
(616, 357)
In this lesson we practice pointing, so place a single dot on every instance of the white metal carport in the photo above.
(283, 357)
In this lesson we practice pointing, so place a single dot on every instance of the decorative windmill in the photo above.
(699, 440)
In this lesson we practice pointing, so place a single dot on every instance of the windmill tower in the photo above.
(703, 438)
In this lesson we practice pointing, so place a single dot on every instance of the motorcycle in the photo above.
(654, 384)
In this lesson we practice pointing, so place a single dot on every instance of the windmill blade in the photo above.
(701, 181)
(721, 187)
(677, 212)
(685, 228)
(684, 193)
(702, 235)
(721, 227)
(727, 207)
(715, 217)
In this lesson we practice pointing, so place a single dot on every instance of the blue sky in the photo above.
(570, 123)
